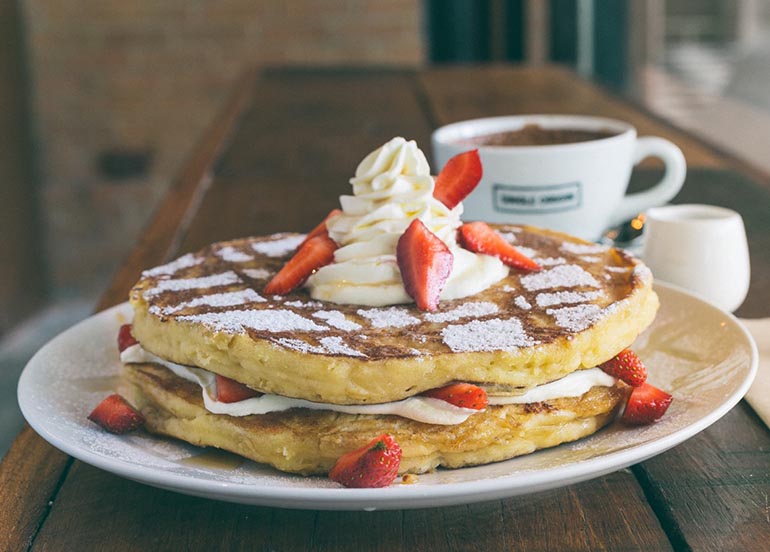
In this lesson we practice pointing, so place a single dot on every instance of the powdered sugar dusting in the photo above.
(486, 335)
(304, 304)
(229, 299)
(185, 261)
(565, 297)
(583, 248)
(591, 259)
(257, 273)
(273, 320)
(522, 303)
(336, 319)
(467, 310)
(328, 346)
(335, 346)
(577, 318)
(616, 268)
(279, 247)
(551, 261)
(559, 277)
(510, 237)
(392, 317)
(215, 280)
(233, 255)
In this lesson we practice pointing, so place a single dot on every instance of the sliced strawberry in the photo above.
(458, 178)
(479, 237)
(125, 337)
(320, 230)
(425, 263)
(646, 404)
(464, 395)
(317, 252)
(373, 465)
(627, 366)
(116, 416)
(230, 391)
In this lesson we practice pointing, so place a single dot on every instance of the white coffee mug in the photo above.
(579, 188)
(701, 248)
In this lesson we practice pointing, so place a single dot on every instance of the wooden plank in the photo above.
(32, 469)
(29, 476)
(293, 153)
(459, 93)
(711, 493)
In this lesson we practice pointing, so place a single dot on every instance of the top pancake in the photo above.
(207, 309)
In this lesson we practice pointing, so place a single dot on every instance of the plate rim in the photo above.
(397, 496)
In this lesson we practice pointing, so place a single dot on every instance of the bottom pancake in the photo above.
(310, 441)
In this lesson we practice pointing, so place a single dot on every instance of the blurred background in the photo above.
(101, 102)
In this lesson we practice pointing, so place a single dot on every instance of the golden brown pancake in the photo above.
(310, 441)
(207, 309)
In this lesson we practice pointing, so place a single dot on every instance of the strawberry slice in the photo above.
(479, 237)
(458, 178)
(317, 252)
(320, 230)
(425, 263)
(116, 416)
(646, 404)
(230, 391)
(464, 395)
(627, 366)
(373, 465)
(125, 337)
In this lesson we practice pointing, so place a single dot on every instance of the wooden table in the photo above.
(276, 159)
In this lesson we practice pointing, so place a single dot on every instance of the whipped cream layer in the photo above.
(392, 187)
(418, 408)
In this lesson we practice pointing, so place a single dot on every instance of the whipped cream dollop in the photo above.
(418, 408)
(392, 187)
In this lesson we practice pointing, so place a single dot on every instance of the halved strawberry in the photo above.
(458, 178)
(627, 366)
(317, 252)
(479, 237)
(116, 416)
(230, 391)
(320, 230)
(373, 465)
(125, 337)
(646, 404)
(425, 263)
(464, 395)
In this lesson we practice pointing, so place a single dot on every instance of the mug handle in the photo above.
(663, 191)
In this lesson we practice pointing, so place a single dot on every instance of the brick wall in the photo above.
(147, 76)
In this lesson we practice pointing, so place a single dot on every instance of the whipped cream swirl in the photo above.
(391, 188)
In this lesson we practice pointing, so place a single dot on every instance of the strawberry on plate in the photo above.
(464, 395)
(425, 263)
(321, 229)
(230, 391)
(317, 252)
(458, 178)
(125, 337)
(373, 465)
(626, 366)
(479, 237)
(116, 416)
(646, 404)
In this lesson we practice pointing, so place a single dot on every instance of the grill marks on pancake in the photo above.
(220, 287)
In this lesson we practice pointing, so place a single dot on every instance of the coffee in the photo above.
(535, 135)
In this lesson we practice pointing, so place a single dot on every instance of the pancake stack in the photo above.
(517, 340)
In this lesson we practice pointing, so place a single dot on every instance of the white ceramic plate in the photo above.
(701, 355)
